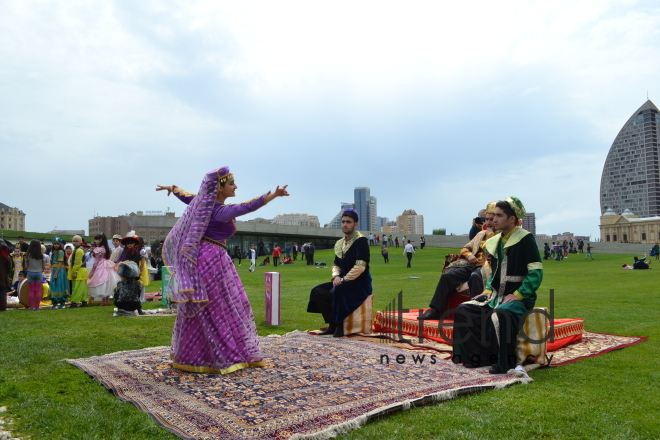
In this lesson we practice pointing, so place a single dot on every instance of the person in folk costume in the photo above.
(132, 253)
(68, 250)
(78, 274)
(486, 328)
(144, 267)
(59, 283)
(350, 284)
(102, 279)
(214, 330)
(118, 250)
(5, 272)
(17, 258)
(473, 267)
(34, 265)
(128, 290)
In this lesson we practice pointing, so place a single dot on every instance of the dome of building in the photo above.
(627, 212)
(610, 211)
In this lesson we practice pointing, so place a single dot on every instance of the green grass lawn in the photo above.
(613, 396)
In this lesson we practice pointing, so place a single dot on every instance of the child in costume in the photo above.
(22, 275)
(132, 253)
(59, 283)
(68, 250)
(102, 279)
(78, 274)
(34, 264)
(17, 256)
(144, 267)
(128, 290)
(118, 248)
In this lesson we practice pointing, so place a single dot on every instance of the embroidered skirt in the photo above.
(221, 336)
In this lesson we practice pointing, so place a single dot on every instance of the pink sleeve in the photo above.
(99, 255)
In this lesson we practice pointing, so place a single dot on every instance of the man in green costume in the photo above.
(486, 328)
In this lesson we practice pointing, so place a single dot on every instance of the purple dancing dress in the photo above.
(214, 330)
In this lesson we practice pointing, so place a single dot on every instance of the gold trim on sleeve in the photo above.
(181, 192)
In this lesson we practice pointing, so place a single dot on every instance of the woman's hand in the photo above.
(168, 188)
(279, 192)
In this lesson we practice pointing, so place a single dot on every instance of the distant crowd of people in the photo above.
(74, 274)
(560, 250)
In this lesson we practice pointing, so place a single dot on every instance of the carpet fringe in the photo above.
(333, 431)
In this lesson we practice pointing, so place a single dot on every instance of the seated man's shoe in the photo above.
(469, 365)
(430, 315)
(339, 332)
(328, 331)
(495, 370)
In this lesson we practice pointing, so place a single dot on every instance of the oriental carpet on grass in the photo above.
(311, 387)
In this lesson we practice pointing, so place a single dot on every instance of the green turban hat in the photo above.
(517, 207)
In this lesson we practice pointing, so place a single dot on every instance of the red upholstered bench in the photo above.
(566, 331)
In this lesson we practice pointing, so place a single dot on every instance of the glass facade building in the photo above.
(362, 198)
(631, 176)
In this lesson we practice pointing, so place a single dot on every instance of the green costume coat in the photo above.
(518, 271)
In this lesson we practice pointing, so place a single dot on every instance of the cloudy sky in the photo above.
(436, 106)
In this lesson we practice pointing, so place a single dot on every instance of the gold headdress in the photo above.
(224, 175)
(490, 208)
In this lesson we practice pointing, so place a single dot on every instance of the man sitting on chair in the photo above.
(351, 280)
(472, 271)
(486, 328)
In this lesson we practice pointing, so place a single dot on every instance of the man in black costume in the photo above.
(351, 280)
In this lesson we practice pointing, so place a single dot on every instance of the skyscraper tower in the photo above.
(373, 214)
(631, 176)
(362, 197)
(529, 222)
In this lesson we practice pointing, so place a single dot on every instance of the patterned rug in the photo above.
(592, 344)
(311, 388)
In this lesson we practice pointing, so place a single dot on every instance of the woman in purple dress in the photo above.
(214, 330)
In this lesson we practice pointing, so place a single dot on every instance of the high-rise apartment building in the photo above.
(362, 197)
(367, 208)
(373, 214)
(529, 222)
(631, 176)
(297, 220)
(410, 222)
